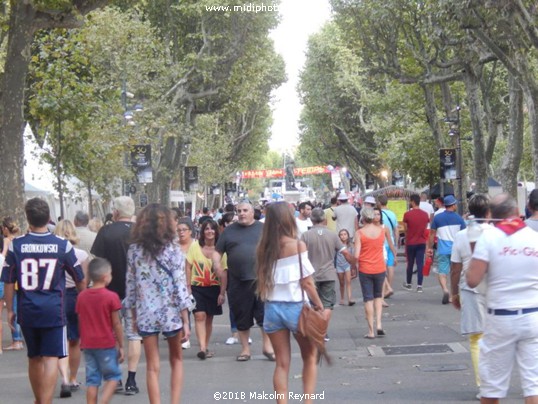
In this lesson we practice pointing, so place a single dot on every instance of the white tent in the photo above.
(39, 182)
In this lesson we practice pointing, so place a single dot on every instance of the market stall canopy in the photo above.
(392, 192)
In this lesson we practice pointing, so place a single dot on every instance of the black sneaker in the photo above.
(119, 387)
(65, 392)
(131, 389)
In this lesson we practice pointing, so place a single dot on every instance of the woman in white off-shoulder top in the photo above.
(279, 285)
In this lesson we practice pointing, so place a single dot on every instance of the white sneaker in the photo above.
(249, 341)
(232, 341)
(186, 345)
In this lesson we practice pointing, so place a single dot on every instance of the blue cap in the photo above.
(449, 200)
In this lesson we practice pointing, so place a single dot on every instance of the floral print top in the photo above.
(158, 294)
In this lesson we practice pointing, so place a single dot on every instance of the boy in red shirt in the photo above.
(101, 334)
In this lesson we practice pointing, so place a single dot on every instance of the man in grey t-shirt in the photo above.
(346, 216)
(322, 245)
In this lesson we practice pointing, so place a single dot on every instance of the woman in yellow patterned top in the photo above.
(205, 285)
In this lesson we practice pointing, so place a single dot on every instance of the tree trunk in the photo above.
(472, 87)
(512, 157)
(493, 125)
(90, 199)
(11, 104)
(531, 98)
(431, 114)
(23, 23)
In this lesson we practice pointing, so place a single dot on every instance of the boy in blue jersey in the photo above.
(37, 261)
(445, 225)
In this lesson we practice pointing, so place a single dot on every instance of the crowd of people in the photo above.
(160, 272)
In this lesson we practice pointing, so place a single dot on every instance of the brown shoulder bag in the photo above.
(312, 324)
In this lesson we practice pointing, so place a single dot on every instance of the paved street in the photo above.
(362, 370)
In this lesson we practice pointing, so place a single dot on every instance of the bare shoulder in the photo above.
(290, 246)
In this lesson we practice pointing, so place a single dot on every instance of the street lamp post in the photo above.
(128, 120)
(455, 132)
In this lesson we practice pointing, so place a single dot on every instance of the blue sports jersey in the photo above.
(447, 224)
(38, 263)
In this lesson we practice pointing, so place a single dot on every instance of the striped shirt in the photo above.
(447, 224)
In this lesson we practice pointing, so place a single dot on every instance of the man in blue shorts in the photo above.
(445, 225)
(38, 261)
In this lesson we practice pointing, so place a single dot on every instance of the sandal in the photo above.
(243, 358)
(369, 336)
(381, 333)
(14, 347)
(209, 354)
(201, 355)
(351, 302)
(270, 356)
(74, 386)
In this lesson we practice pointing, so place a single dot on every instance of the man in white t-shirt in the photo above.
(439, 205)
(303, 220)
(508, 255)
(426, 206)
(471, 301)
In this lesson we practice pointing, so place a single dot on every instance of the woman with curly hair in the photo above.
(280, 285)
(157, 295)
(208, 289)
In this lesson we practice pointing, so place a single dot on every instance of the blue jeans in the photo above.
(415, 253)
(16, 335)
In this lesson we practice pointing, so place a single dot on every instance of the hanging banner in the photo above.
(280, 172)
(191, 178)
(448, 164)
(141, 156)
(336, 179)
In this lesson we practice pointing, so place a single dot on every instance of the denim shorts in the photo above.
(281, 316)
(167, 334)
(371, 285)
(101, 364)
(1, 289)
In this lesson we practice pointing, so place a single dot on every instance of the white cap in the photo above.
(342, 196)
(370, 199)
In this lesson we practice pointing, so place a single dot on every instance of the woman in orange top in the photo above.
(369, 247)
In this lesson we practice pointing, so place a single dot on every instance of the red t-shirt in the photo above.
(417, 221)
(94, 309)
